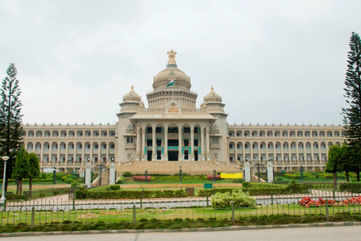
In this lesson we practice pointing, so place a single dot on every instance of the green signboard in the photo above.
(208, 185)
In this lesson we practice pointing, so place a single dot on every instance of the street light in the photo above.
(3, 198)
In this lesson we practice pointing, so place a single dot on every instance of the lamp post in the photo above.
(54, 175)
(3, 198)
(258, 171)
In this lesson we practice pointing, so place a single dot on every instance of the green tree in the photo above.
(352, 110)
(21, 169)
(34, 170)
(353, 156)
(10, 119)
(336, 161)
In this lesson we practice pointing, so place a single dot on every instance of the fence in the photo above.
(37, 213)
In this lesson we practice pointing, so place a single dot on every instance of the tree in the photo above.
(336, 160)
(34, 170)
(10, 119)
(352, 111)
(21, 169)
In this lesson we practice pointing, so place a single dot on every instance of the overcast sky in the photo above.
(271, 61)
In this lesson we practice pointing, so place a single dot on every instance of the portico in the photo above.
(174, 138)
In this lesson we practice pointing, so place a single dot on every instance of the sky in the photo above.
(271, 61)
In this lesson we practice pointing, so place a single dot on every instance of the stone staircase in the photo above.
(168, 167)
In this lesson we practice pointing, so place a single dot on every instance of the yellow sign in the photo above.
(238, 175)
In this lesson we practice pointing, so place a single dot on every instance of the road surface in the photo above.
(351, 233)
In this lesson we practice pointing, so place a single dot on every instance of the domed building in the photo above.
(172, 133)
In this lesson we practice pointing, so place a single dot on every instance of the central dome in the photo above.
(171, 77)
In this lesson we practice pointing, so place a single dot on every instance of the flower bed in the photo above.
(142, 178)
(309, 202)
(211, 177)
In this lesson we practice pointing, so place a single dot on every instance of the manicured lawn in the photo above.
(176, 180)
(113, 216)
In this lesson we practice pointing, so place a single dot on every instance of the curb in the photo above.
(206, 229)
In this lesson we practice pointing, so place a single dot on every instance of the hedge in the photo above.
(350, 187)
(85, 194)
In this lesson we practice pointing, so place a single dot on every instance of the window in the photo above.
(129, 139)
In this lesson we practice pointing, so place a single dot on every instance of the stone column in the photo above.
(200, 144)
(180, 143)
(139, 151)
(112, 173)
(236, 151)
(88, 174)
(154, 143)
(165, 142)
(207, 144)
(247, 171)
(144, 143)
(191, 154)
(269, 171)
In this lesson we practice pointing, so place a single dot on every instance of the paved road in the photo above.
(351, 233)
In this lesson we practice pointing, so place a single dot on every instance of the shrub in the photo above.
(114, 187)
(235, 198)
(211, 177)
(209, 192)
(127, 174)
(350, 187)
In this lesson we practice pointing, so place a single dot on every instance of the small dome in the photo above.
(132, 96)
(171, 76)
(212, 97)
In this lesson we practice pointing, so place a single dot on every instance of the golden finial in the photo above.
(171, 57)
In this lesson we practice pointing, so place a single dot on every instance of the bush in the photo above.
(350, 187)
(209, 192)
(114, 187)
(119, 194)
(127, 174)
(211, 177)
(229, 199)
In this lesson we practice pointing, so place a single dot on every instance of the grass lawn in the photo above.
(38, 186)
(113, 216)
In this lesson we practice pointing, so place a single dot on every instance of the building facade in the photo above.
(172, 133)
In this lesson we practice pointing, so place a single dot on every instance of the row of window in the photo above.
(75, 158)
(70, 146)
(69, 133)
(278, 145)
(285, 133)
(281, 157)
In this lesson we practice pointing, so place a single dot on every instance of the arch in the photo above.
(39, 133)
(46, 147)
(95, 133)
(112, 133)
(293, 146)
(277, 133)
(79, 147)
(62, 146)
(255, 146)
(240, 146)
(322, 133)
(87, 133)
(55, 133)
(71, 133)
(314, 133)
(231, 133)
(239, 133)
(284, 133)
(323, 146)
(285, 146)
(247, 133)
(247, 146)
(47, 133)
(70, 146)
(330, 144)
(269, 133)
(300, 146)
(270, 146)
(79, 133)
(307, 133)
(315, 145)
(31, 133)
(278, 146)
(292, 133)
(262, 133)
(104, 133)
(38, 147)
(329, 133)
(308, 146)
(299, 133)
(111, 147)
(337, 133)
(87, 147)
(95, 147)
(63, 133)
(54, 146)
(254, 133)
(263, 146)
(29, 146)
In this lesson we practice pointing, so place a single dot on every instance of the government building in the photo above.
(173, 133)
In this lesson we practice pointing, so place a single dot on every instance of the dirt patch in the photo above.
(88, 215)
